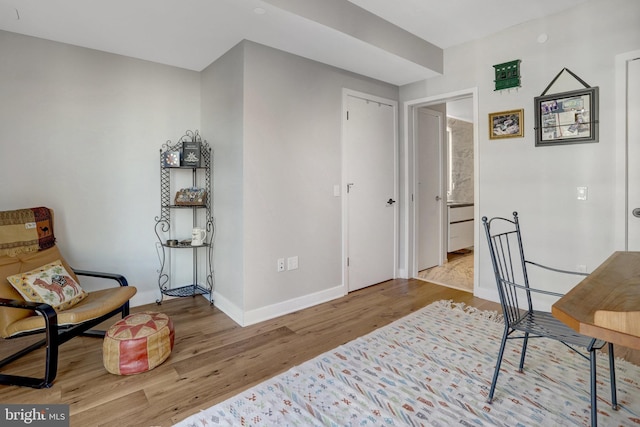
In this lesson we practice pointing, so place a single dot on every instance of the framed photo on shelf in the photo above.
(171, 159)
(506, 124)
(567, 117)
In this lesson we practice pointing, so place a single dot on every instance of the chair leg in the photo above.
(594, 397)
(525, 341)
(52, 342)
(51, 362)
(497, 370)
(612, 372)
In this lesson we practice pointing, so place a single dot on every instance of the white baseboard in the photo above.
(228, 308)
(488, 294)
(271, 311)
(243, 318)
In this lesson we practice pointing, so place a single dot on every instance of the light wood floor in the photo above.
(214, 358)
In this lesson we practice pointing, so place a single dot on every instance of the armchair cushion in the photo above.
(96, 304)
(10, 265)
(51, 284)
(15, 321)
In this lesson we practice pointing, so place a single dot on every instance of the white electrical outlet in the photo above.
(292, 263)
(280, 265)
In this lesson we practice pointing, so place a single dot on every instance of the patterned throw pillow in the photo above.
(51, 284)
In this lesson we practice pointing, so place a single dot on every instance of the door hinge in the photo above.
(347, 261)
(347, 115)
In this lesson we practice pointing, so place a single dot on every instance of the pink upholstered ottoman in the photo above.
(137, 343)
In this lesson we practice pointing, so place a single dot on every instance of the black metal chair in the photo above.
(510, 268)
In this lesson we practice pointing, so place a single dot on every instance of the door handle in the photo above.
(438, 198)
(390, 202)
(636, 212)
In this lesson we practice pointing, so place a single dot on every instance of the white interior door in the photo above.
(429, 131)
(633, 153)
(370, 177)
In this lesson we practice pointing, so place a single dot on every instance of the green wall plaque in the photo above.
(507, 75)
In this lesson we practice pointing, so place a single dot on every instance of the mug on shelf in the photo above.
(197, 236)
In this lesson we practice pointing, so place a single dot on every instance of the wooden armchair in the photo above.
(21, 253)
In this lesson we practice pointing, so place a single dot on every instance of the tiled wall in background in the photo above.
(462, 160)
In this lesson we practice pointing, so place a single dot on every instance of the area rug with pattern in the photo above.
(434, 368)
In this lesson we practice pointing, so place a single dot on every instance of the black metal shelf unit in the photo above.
(200, 176)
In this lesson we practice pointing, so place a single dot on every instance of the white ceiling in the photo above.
(192, 34)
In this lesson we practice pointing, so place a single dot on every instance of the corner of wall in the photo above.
(222, 104)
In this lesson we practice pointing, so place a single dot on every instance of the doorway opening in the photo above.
(458, 154)
(456, 194)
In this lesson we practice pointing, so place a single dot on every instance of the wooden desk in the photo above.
(606, 304)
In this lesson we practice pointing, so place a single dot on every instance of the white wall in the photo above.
(222, 122)
(291, 159)
(540, 183)
(80, 132)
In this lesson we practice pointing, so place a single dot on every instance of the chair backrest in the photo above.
(26, 242)
(509, 265)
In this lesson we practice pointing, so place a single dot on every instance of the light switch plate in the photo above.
(582, 193)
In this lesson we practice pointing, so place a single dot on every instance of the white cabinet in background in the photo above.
(460, 227)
